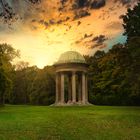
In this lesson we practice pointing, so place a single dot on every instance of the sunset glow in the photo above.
(41, 46)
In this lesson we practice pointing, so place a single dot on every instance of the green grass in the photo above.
(69, 123)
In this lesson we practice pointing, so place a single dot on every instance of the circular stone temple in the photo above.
(71, 79)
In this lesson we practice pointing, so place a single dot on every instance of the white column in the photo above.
(73, 87)
(57, 88)
(69, 89)
(86, 90)
(79, 89)
(83, 88)
(62, 89)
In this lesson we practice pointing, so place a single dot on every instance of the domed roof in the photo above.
(71, 57)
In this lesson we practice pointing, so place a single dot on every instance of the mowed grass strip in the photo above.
(69, 123)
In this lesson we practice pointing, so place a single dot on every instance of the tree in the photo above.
(7, 54)
(132, 30)
(5, 85)
(131, 22)
(43, 87)
(115, 75)
(23, 78)
(133, 76)
(32, 85)
(21, 65)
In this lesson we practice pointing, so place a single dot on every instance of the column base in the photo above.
(59, 104)
(72, 104)
(69, 102)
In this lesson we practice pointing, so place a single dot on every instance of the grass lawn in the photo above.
(69, 123)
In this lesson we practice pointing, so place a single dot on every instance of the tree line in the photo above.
(113, 76)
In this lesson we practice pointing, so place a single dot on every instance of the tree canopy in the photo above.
(7, 54)
(131, 22)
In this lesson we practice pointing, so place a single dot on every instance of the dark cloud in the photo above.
(78, 23)
(123, 2)
(81, 14)
(78, 41)
(99, 39)
(13, 10)
(44, 23)
(83, 38)
(90, 42)
(34, 1)
(80, 4)
(87, 35)
(93, 4)
(121, 16)
(33, 20)
(63, 5)
(63, 2)
(96, 4)
(7, 13)
(51, 22)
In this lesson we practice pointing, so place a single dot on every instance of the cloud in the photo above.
(55, 26)
(93, 4)
(87, 35)
(124, 2)
(81, 14)
(80, 4)
(114, 25)
(51, 22)
(92, 42)
(96, 4)
(99, 39)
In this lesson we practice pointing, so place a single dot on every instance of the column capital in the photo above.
(73, 72)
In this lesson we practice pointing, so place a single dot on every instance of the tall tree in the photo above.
(132, 22)
(23, 79)
(7, 54)
(132, 30)
(43, 87)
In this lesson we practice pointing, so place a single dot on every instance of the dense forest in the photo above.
(113, 76)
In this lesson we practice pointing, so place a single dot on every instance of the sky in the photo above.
(44, 31)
